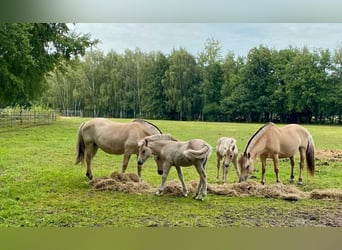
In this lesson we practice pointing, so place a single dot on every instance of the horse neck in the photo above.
(156, 146)
(256, 149)
(258, 142)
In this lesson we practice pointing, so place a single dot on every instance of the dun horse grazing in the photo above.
(273, 142)
(227, 150)
(112, 138)
(169, 152)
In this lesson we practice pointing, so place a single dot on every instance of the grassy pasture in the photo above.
(40, 185)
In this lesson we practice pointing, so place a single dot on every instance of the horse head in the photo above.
(144, 151)
(246, 166)
(228, 155)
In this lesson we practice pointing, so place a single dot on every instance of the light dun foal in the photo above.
(227, 151)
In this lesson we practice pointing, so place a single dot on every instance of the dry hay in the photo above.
(250, 188)
(129, 183)
(328, 194)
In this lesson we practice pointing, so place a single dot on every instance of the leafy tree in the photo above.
(94, 74)
(212, 53)
(181, 85)
(154, 92)
(210, 61)
(30, 50)
(257, 78)
(229, 103)
(305, 85)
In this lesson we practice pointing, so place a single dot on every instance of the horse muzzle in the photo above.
(242, 179)
(226, 165)
(140, 162)
(160, 171)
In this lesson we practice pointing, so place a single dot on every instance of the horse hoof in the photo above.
(290, 181)
(90, 176)
(262, 183)
(299, 183)
(159, 193)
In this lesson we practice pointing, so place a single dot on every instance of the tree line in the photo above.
(47, 64)
(288, 85)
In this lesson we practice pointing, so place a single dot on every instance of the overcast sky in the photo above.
(238, 38)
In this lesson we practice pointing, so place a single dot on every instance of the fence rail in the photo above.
(10, 118)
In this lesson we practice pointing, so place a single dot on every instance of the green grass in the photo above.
(40, 185)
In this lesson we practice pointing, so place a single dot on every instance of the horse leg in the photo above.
(263, 170)
(166, 170)
(218, 169)
(90, 152)
(202, 185)
(301, 165)
(225, 172)
(125, 162)
(276, 167)
(181, 178)
(236, 167)
(292, 167)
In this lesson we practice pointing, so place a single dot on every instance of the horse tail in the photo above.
(310, 155)
(199, 154)
(80, 146)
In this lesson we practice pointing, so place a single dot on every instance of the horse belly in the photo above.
(287, 151)
(111, 146)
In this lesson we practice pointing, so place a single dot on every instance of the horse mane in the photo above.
(258, 134)
(160, 137)
(144, 122)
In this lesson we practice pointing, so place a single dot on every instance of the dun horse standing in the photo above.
(273, 142)
(169, 152)
(226, 150)
(112, 138)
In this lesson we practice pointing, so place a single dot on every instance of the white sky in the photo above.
(238, 38)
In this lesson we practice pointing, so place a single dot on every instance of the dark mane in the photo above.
(144, 121)
(255, 134)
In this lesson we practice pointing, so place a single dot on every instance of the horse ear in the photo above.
(248, 155)
(245, 154)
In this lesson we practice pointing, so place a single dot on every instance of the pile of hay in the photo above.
(127, 183)
(130, 183)
(250, 188)
(328, 194)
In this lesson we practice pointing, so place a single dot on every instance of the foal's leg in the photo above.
(181, 178)
(235, 162)
(301, 165)
(218, 167)
(166, 170)
(276, 166)
(225, 172)
(202, 185)
(292, 167)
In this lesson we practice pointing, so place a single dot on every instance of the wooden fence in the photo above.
(10, 118)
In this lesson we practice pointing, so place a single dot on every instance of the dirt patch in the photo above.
(329, 155)
(129, 183)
